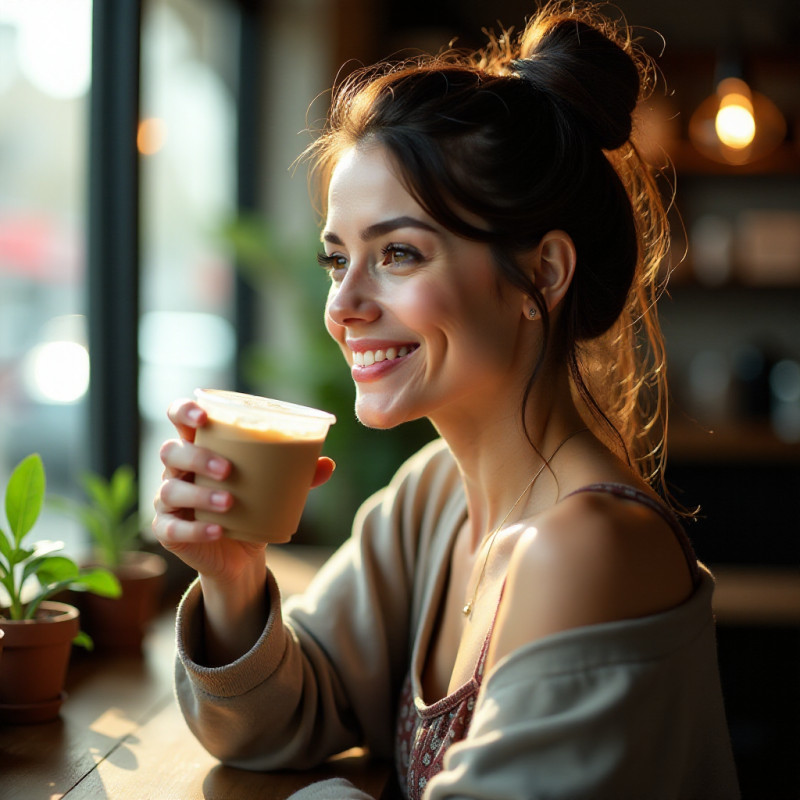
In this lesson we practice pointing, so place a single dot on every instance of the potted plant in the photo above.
(110, 516)
(38, 632)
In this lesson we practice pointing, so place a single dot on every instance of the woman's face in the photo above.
(418, 312)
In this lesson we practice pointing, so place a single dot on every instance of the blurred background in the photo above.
(155, 237)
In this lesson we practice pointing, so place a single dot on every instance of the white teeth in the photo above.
(366, 358)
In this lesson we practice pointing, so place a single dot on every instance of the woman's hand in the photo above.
(200, 544)
(232, 573)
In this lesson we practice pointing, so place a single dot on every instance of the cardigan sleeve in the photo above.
(325, 673)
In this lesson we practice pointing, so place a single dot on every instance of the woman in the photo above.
(519, 613)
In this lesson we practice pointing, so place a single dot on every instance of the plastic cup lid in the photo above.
(263, 412)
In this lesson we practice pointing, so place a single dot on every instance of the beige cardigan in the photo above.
(629, 709)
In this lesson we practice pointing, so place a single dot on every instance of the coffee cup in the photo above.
(273, 447)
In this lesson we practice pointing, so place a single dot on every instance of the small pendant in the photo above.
(467, 610)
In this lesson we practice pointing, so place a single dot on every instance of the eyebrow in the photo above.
(381, 229)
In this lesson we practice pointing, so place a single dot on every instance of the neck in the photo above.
(497, 461)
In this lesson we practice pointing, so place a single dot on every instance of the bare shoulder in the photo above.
(591, 558)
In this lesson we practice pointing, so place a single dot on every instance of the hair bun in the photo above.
(582, 70)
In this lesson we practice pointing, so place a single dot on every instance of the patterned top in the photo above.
(425, 732)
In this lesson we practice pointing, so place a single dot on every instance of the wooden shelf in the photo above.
(752, 442)
(757, 595)
(683, 280)
(782, 162)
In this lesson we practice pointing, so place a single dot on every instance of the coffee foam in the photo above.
(264, 415)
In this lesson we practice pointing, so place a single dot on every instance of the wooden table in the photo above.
(122, 736)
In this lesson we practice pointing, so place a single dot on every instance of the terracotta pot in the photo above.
(34, 663)
(120, 623)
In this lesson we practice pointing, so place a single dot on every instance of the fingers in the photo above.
(178, 495)
(181, 458)
(187, 417)
(175, 505)
(171, 530)
(325, 468)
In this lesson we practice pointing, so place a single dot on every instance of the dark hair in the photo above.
(530, 135)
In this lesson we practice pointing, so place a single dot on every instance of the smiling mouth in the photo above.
(366, 358)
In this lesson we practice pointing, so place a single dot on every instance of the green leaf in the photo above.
(123, 489)
(24, 495)
(129, 530)
(5, 546)
(36, 561)
(91, 517)
(98, 581)
(7, 582)
(82, 639)
(97, 490)
(102, 536)
(52, 569)
(20, 555)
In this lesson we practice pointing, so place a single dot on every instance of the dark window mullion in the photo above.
(113, 236)
(250, 143)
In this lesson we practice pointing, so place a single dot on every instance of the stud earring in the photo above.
(532, 313)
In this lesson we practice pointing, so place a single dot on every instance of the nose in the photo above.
(353, 300)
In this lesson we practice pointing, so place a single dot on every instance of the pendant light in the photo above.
(736, 125)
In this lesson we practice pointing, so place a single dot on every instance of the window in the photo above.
(187, 146)
(45, 70)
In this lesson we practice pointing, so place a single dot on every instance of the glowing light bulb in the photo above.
(735, 126)
(734, 123)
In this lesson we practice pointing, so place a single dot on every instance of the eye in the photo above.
(400, 255)
(330, 263)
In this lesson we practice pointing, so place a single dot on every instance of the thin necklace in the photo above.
(467, 609)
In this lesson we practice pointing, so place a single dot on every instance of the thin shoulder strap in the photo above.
(628, 493)
(478, 675)
(638, 496)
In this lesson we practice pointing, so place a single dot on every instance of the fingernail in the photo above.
(195, 414)
(213, 532)
(217, 466)
(219, 499)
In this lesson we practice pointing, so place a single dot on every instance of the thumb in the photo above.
(325, 468)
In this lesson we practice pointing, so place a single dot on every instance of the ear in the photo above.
(552, 265)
